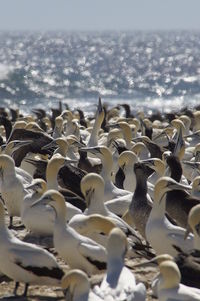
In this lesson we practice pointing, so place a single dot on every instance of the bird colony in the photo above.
(89, 206)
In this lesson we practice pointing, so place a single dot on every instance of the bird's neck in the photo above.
(168, 282)
(196, 240)
(97, 206)
(106, 169)
(81, 293)
(114, 268)
(51, 177)
(158, 209)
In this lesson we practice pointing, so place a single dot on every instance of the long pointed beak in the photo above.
(178, 186)
(31, 186)
(68, 161)
(148, 162)
(193, 165)
(78, 144)
(21, 143)
(43, 200)
(113, 125)
(100, 107)
(93, 150)
(149, 263)
(50, 145)
(191, 135)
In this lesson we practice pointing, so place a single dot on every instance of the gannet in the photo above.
(188, 264)
(53, 167)
(95, 226)
(12, 189)
(77, 250)
(119, 282)
(44, 223)
(140, 150)
(159, 228)
(39, 139)
(180, 143)
(169, 287)
(158, 166)
(58, 129)
(194, 138)
(93, 140)
(146, 127)
(77, 287)
(69, 177)
(140, 206)
(193, 223)
(111, 191)
(25, 262)
(154, 149)
(126, 175)
(178, 202)
(92, 187)
(10, 148)
(127, 133)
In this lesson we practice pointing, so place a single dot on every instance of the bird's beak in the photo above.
(148, 263)
(31, 186)
(43, 200)
(68, 161)
(24, 143)
(148, 162)
(178, 186)
(92, 150)
(50, 145)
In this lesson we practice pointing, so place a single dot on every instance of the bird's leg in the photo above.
(25, 290)
(16, 287)
(11, 222)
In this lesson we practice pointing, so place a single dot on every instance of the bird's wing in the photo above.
(28, 254)
(94, 254)
(92, 251)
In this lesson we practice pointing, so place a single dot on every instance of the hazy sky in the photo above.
(99, 14)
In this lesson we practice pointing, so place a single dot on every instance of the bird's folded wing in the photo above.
(27, 256)
(92, 251)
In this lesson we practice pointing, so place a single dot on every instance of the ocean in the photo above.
(149, 70)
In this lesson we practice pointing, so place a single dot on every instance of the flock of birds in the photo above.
(105, 189)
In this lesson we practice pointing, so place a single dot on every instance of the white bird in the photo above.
(44, 223)
(119, 283)
(10, 148)
(77, 250)
(92, 187)
(12, 189)
(126, 162)
(93, 140)
(38, 220)
(169, 287)
(105, 155)
(77, 287)
(25, 262)
(95, 226)
(193, 223)
(159, 228)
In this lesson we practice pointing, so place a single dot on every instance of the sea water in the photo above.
(149, 70)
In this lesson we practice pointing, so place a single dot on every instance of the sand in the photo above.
(47, 293)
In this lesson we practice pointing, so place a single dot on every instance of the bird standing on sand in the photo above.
(77, 250)
(25, 262)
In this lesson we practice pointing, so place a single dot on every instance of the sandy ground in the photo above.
(47, 293)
